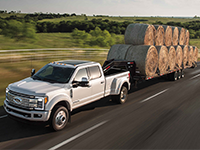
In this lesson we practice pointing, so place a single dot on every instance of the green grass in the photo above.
(8, 15)
(195, 42)
(2, 98)
(46, 40)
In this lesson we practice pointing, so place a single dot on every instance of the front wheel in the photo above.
(60, 118)
(122, 97)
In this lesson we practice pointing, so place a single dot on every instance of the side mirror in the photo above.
(84, 82)
(32, 72)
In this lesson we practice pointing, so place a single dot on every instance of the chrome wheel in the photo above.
(123, 94)
(60, 118)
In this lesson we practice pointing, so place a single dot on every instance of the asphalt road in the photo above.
(159, 114)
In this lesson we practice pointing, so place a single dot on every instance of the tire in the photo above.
(122, 97)
(60, 118)
(182, 74)
(173, 76)
(179, 74)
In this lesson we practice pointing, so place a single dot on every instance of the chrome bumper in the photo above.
(25, 114)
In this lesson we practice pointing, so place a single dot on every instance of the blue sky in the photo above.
(181, 8)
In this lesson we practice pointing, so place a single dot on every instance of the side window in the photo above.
(80, 74)
(94, 72)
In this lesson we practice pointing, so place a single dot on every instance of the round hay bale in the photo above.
(163, 58)
(187, 37)
(168, 35)
(185, 55)
(179, 56)
(145, 57)
(139, 34)
(181, 36)
(159, 35)
(190, 55)
(118, 51)
(175, 34)
(172, 57)
(195, 54)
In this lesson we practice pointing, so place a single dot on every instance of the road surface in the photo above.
(159, 114)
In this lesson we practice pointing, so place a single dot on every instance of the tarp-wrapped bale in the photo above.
(187, 37)
(190, 55)
(139, 34)
(163, 58)
(181, 36)
(159, 35)
(118, 51)
(175, 33)
(185, 55)
(172, 57)
(195, 54)
(179, 56)
(146, 58)
(168, 35)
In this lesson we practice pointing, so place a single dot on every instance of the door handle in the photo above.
(102, 82)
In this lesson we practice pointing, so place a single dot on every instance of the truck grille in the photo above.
(20, 94)
(21, 100)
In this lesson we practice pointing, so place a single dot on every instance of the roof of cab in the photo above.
(75, 63)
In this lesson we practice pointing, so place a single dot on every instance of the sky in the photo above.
(176, 8)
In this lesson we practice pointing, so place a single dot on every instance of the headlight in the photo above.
(41, 101)
(7, 90)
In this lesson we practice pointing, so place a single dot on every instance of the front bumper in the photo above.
(30, 115)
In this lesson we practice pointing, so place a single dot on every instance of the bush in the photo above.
(19, 30)
(95, 37)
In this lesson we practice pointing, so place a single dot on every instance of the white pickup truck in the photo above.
(59, 87)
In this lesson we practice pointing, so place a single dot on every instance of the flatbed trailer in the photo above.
(135, 75)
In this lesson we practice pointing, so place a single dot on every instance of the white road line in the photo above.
(3, 116)
(195, 76)
(153, 96)
(77, 136)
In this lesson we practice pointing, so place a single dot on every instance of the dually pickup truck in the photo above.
(60, 87)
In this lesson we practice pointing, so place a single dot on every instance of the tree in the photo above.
(19, 30)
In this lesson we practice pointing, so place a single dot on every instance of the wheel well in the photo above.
(63, 103)
(125, 84)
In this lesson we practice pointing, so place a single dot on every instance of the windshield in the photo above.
(54, 74)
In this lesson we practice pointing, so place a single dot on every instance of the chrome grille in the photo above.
(19, 101)
(20, 94)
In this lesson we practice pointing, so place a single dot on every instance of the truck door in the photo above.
(97, 82)
(81, 93)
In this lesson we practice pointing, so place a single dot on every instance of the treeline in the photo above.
(69, 26)
(41, 16)
(87, 25)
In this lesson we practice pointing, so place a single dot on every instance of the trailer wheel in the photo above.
(122, 97)
(60, 118)
(173, 76)
(179, 74)
(182, 74)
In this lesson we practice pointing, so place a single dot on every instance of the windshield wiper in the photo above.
(36, 78)
(49, 80)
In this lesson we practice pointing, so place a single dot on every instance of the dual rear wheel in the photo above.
(176, 75)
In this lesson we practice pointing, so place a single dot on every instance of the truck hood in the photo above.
(34, 87)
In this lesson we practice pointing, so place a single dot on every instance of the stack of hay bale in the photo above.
(156, 49)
